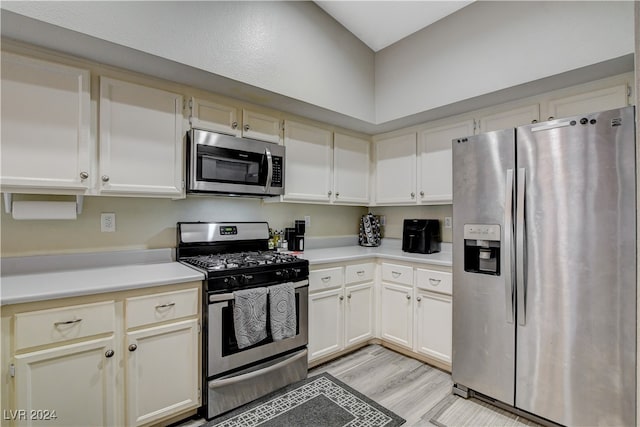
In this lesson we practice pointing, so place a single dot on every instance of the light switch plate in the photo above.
(447, 222)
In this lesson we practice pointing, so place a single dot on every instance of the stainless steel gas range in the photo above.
(234, 258)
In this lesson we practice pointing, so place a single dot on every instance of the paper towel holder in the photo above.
(8, 202)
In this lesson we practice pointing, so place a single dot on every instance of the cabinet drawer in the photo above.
(436, 281)
(397, 273)
(359, 273)
(60, 324)
(161, 307)
(327, 278)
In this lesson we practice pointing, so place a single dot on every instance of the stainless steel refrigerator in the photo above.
(544, 268)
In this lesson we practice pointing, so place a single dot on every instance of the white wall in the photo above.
(291, 48)
(489, 46)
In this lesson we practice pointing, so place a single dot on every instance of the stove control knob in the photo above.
(294, 272)
(285, 274)
(245, 279)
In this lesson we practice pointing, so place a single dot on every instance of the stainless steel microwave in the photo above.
(224, 164)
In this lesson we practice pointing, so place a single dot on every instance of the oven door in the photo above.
(226, 164)
(223, 354)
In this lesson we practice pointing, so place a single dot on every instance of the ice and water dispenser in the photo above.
(482, 249)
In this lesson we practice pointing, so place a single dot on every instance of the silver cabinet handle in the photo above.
(413, 195)
(419, 299)
(534, 121)
(169, 304)
(337, 195)
(325, 279)
(109, 353)
(84, 175)
(341, 297)
(133, 347)
(360, 272)
(551, 118)
(349, 296)
(67, 322)
(246, 127)
(329, 193)
(234, 125)
(396, 274)
(434, 282)
(105, 178)
(408, 296)
(422, 194)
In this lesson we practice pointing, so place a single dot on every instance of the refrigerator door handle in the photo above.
(508, 245)
(521, 288)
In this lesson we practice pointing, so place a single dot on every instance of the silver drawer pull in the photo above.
(396, 274)
(325, 279)
(360, 273)
(68, 322)
(169, 304)
(434, 282)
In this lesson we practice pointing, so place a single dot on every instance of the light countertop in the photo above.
(390, 249)
(17, 286)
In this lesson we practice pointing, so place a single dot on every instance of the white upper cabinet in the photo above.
(435, 182)
(308, 163)
(350, 169)
(45, 127)
(223, 118)
(395, 176)
(588, 102)
(213, 116)
(261, 126)
(511, 118)
(140, 140)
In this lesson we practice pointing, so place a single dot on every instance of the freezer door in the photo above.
(576, 333)
(483, 314)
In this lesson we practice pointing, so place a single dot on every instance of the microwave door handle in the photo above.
(267, 185)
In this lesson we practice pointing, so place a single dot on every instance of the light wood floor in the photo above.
(414, 390)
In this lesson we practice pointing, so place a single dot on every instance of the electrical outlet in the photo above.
(447, 222)
(108, 222)
(307, 221)
(383, 220)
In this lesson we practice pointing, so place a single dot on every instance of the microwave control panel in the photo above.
(276, 178)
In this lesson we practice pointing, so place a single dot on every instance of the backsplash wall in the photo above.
(395, 215)
(151, 223)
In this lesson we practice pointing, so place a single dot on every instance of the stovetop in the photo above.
(229, 261)
(235, 256)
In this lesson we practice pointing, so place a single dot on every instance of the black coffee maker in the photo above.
(421, 236)
(295, 236)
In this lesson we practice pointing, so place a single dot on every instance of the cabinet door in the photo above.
(509, 119)
(45, 126)
(433, 323)
(140, 140)
(309, 158)
(214, 117)
(358, 313)
(396, 321)
(261, 126)
(396, 170)
(436, 161)
(162, 371)
(325, 323)
(590, 102)
(350, 169)
(77, 381)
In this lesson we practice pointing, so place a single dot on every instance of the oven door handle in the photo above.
(229, 296)
(260, 372)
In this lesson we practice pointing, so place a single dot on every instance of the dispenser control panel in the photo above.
(482, 232)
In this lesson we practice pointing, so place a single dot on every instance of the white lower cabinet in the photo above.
(131, 358)
(66, 385)
(433, 325)
(162, 358)
(343, 316)
(396, 315)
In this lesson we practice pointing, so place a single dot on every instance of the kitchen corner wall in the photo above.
(151, 223)
(395, 215)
